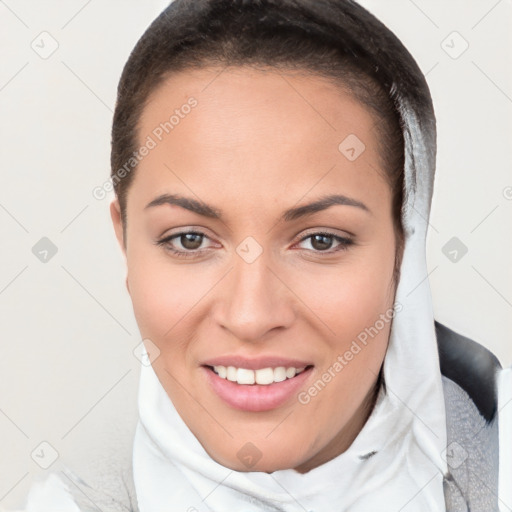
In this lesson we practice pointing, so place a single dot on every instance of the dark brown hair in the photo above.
(335, 39)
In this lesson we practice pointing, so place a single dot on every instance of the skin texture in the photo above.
(257, 143)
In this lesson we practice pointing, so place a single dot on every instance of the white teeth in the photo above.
(280, 374)
(290, 372)
(264, 376)
(244, 376)
(221, 371)
(231, 373)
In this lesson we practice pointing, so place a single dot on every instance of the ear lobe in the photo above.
(115, 214)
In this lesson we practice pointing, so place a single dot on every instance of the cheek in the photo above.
(351, 296)
(162, 293)
(355, 303)
(356, 307)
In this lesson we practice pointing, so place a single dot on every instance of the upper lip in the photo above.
(256, 363)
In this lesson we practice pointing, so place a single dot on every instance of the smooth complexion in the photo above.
(259, 143)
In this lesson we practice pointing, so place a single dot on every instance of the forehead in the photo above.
(239, 130)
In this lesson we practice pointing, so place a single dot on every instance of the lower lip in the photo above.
(255, 398)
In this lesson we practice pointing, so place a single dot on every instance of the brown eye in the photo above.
(327, 243)
(321, 242)
(191, 241)
(186, 244)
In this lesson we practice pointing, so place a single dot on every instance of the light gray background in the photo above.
(68, 375)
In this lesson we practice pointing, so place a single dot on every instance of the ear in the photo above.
(115, 214)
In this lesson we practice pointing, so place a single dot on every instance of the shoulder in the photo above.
(65, 491)
(472, 367)
(50, 493)
(470, 375)
(101, 478)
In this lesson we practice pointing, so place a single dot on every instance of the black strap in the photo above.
(471, 366)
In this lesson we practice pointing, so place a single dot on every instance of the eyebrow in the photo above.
(289, 215)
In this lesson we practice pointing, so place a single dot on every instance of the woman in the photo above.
(273, 163)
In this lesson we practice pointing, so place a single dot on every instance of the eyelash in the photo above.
(164, 242)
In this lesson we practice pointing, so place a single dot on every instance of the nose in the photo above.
(255, 300)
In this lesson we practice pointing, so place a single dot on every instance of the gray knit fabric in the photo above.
(115, 492)
(472, 454)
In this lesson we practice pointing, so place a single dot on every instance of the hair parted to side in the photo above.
(336, 39)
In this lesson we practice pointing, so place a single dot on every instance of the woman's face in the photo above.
(263, 280)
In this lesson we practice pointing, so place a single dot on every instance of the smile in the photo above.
(264, 376)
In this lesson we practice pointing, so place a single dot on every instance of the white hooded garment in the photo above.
(398, 460)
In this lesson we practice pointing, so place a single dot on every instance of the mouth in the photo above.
(259, 389)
